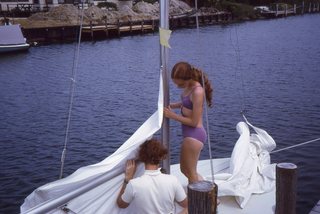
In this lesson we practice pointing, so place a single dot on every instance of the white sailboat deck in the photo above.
(258, 203)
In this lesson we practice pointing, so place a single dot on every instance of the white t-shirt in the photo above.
(153, 192)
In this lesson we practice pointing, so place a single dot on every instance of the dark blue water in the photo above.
(270, 69)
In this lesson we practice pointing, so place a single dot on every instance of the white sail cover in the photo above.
(101, 199)
(250, 171)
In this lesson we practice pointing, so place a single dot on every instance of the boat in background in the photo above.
(12, 39)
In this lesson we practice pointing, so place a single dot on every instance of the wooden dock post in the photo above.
(294, 9)
(286, 188)
(202, 198)
(286, 10)
(153, 25)
(302, 10)
(106, 24)
(91, 30)
(130, 24)
(118, 25)
(142, 23)
(310, 7)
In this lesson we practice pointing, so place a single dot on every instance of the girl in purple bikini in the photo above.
(188, 78)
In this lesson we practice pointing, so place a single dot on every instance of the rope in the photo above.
(294, 146)
(205, 107)
(207, 127)
(72, 89)
(239, 68)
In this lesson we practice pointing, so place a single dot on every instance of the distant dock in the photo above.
(89, 32)
(47, 35)
(283, 10)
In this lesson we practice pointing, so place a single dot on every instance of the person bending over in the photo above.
(153, 192)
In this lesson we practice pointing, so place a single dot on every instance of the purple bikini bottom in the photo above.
(198, 133)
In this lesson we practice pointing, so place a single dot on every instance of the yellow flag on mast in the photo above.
(164, 37)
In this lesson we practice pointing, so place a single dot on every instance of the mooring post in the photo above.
(310, 7)
(130, 25)
(294, 9)
(152, 25)
(202, 198)
(106, 24)
(91, 30)
(118, 25)
(286, 10)
(302, 7)
(286, 188)
(142, 23)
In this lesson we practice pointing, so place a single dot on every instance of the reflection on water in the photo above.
(268, 68)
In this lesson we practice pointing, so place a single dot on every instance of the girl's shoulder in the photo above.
(197, 90)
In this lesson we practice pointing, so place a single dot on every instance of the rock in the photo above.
(67, 14)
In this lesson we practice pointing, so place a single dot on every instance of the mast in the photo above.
(164, 23)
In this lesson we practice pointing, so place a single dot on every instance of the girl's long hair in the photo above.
(185, 71)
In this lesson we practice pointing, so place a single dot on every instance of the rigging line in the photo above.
(238, 69)
(207, 127)
(297, 145)
(205, 106)
(72, 89)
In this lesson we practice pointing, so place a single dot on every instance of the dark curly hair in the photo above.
(152, 152)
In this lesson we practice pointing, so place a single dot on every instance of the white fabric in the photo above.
(101, 199)
(154, 192)
(250, 171)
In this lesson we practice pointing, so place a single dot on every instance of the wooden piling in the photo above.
(142, 23)
(286, 188)
(130, 24)
(310, 7)
(118, 26)
(202, 198)
(286, 10)
(91, 30)
(106, 24)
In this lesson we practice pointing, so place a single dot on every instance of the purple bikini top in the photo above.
(186, 102)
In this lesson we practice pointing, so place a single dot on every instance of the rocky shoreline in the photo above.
(70, 15)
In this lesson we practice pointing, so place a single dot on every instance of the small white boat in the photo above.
(12, 39)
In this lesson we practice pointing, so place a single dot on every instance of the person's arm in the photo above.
(181, 197)
(121, 203)
(196, 114)
(175, 105)
(129, 173)
(183, 203)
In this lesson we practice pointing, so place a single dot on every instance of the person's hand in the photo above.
(130, 169)
(167, 112)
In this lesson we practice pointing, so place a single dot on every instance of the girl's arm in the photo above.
(175, 105)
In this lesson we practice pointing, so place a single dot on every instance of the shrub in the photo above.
(240, 11)
(107, 5)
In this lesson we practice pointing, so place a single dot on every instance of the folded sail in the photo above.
(250, 170)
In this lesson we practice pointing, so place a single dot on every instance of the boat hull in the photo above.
(14, 48)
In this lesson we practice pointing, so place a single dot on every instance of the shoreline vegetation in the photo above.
(125, 11)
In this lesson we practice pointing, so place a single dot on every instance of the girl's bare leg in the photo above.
(189, 156)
